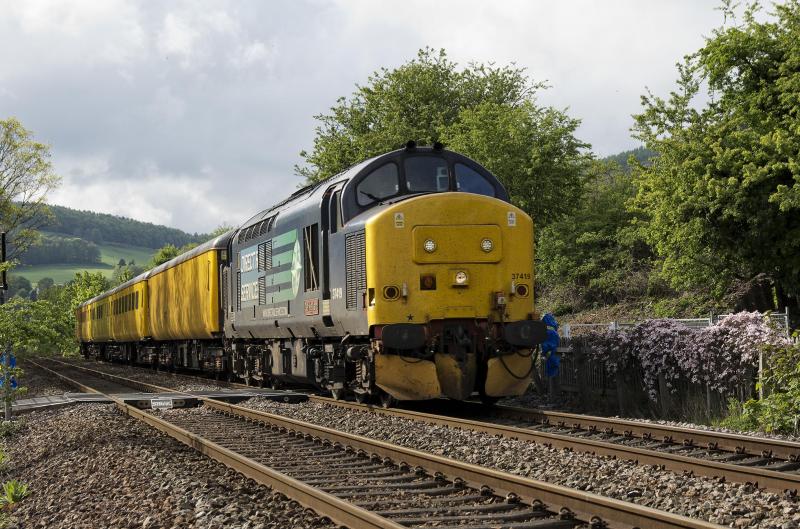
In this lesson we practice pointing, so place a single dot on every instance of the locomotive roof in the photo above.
(306, 192)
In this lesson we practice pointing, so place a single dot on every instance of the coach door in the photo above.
(331, 233)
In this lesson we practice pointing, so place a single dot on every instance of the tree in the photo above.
(169, 251)
(485, 111)
(121, 262)
(125, 273)
(17, 283)
(220, 230)
(595, 256)
(44, 284)
(723, 194)
(84, 286)
(26, 176)
(164, 254)
(532, 150)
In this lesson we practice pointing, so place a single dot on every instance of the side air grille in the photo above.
(262, 290)
(355, 252)
(265, 256)
(238, 291)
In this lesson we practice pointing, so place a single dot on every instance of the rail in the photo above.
(595, 510)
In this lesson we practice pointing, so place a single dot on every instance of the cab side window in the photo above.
(381, 183)
(469, 180)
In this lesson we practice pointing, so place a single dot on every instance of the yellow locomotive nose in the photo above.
(456, 266)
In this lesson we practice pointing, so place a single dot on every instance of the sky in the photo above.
(193, 113)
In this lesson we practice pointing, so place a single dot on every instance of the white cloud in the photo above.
(255, 53)
(150, 195)
(177, 37)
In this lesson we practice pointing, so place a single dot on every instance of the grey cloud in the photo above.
(209, 103)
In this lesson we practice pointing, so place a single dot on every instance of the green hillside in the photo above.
(110, 254)
(95, 242)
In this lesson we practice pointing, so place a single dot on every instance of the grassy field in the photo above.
(110, 254)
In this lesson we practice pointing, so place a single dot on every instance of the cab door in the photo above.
(331, 227)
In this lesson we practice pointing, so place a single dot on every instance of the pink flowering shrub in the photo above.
(723, 356)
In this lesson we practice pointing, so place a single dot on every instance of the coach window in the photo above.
(469, 180)
(426, 174)
(381, 183)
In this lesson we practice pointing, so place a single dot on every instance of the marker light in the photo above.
(430, 246)
(461, 277)
(487, 245)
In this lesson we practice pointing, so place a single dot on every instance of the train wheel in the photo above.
(362, 397)
(387, 401)
(338, 393)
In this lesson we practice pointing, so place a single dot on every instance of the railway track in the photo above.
(763, 462)
(769, 463)
(363, 483)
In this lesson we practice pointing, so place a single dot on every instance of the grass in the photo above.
(110, 254)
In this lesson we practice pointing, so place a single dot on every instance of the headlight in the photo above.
(461, 277)
(487, 245)
(430, 246)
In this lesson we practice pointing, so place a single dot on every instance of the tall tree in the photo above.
(595, 255)
(485, 111)
(26, 176)
(723, 194)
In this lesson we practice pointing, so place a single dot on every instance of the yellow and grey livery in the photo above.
(408, 276)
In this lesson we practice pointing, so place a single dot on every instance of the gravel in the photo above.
(730, 504)
(176, 382)
(89, 466)
(40, 383)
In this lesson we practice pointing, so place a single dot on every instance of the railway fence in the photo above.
(583, 379)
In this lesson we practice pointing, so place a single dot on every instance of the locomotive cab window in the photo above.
(383, 182)
(426, 174)
(469, 180)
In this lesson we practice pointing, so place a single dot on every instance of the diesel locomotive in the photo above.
(408, 276)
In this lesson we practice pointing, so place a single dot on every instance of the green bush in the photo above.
(739, 416)
(779, 410)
